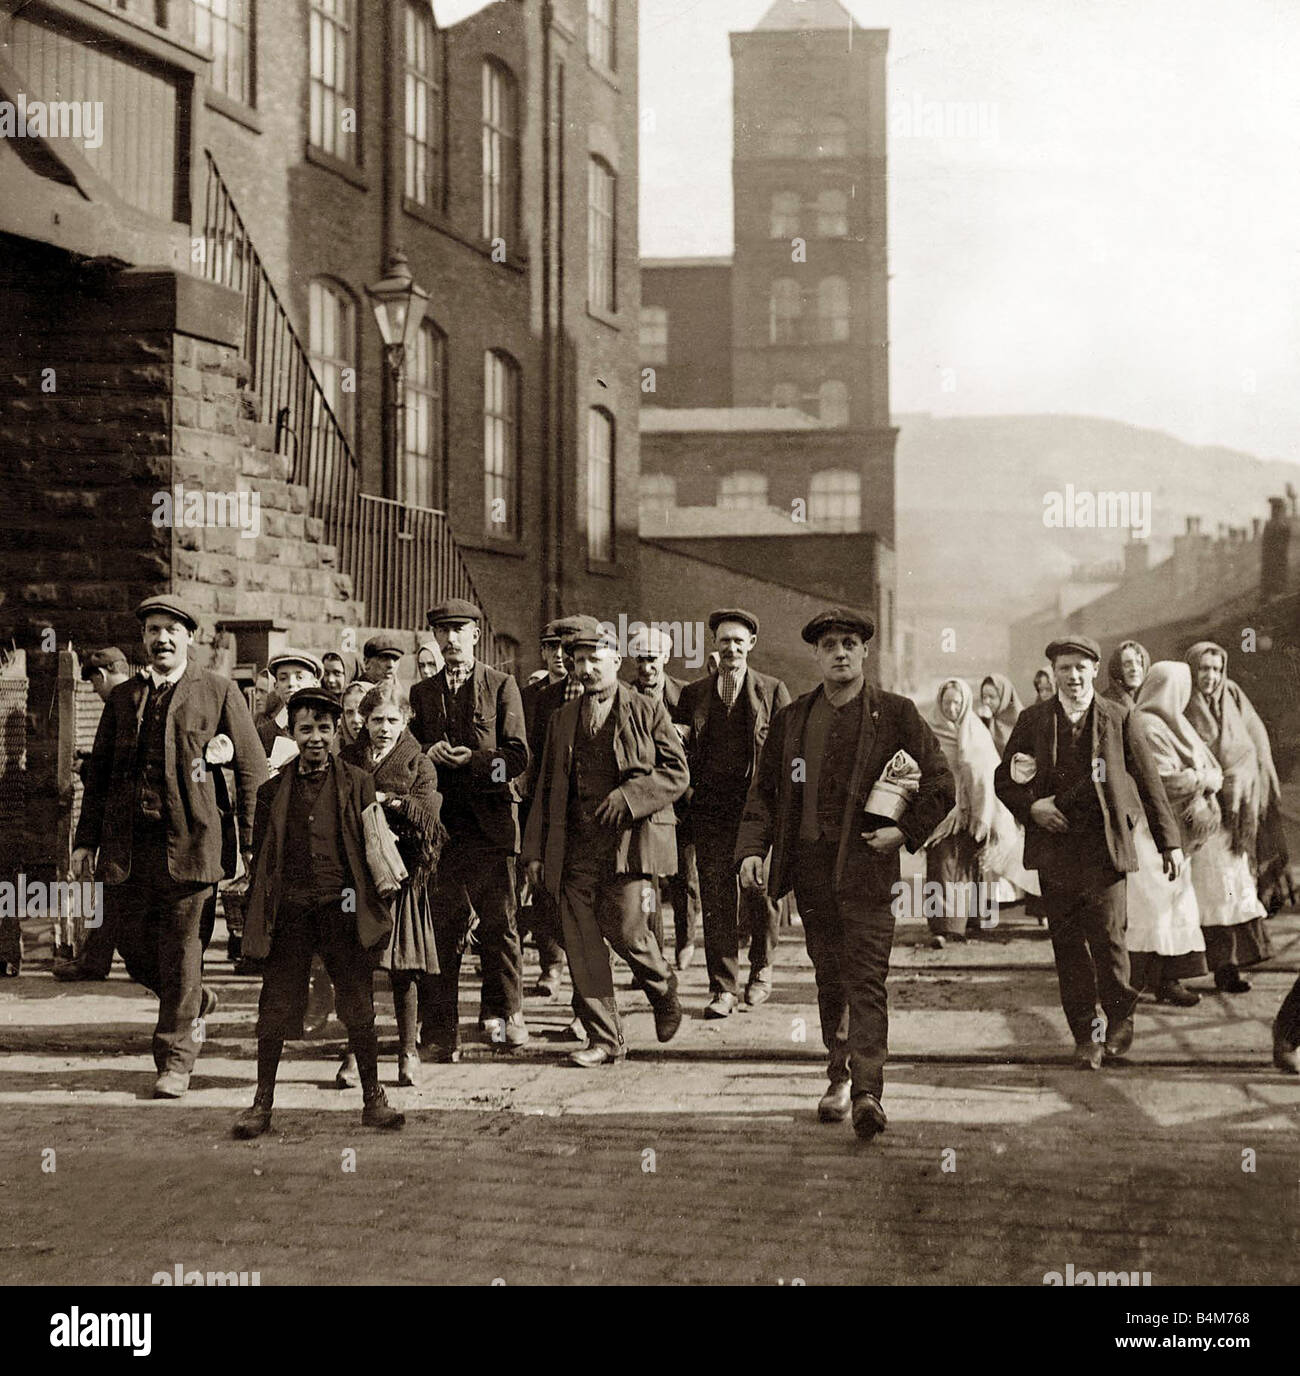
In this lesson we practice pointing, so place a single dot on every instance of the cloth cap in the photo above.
(1074, 645)
(598, 637)
(384, 647)
(111, 659)
(172, 606)
(842, 619)
(454, 611)
(319, 699)
(303, 657)
(650, 640)
(733, 614)
(571, 626)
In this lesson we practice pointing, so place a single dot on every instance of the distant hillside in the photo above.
(973, 551)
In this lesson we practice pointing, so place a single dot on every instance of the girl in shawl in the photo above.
(338, 669)
(979, 836)
(1231, 913)
(1003, 705)
(1126, 671)
(1164, 927)
(406, 785)
(351, 722)
(428, 660)
(1044, 685)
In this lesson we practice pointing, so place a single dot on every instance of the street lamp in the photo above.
(399, 307)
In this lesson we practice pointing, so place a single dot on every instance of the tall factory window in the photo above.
(785, 214)
(654, 334)
(333, 77)
(423, 109)
(421, 479)
(224, 29)
(332, 349)
(501, 444)
(500, 152)
(743, 491)
(832, 215)
(835, 500)
(832, 310)
(600, 485)
(601, 183)
(600, 32)
(786, 311)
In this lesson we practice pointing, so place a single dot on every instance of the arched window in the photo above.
(833, 137)
(832, 310)
(835, 500)
(658, 490)
(833, 403)
(423, 105)
(420, 480)
(785, 214)
(500, 153)
(833, 214)
(501, 445)
(786, 309)
(785, 139)
(601, 183)
(332, 348)
(785, 394)
(600, 485)
(743, 491)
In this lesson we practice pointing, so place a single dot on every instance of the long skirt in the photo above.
(954, 863)
(1232, 917)
(1164, 925)
(412, 945)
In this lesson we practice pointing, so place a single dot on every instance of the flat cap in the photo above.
(576, 625)
(594, 637)
(839, 619)
(318, 699)
(384, 646)
(650, 640)
(453, 611)
(1074, 645)
(733, 614)
(561, 627)
(303, 657)
(168, 605)
(111, 658)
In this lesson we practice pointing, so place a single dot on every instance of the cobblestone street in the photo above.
(697, 1162)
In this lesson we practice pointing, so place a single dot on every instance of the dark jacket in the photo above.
(652, 776)
(410, 779)
(354, 791)
(500, 734)
(1130, 780)
(204, 824)
(541, 701)
(774, 807)
(766, 695)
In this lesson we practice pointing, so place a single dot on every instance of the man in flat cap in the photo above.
(312, 895)
(470, 720)
(103, 670)
(600, 831)
(541, 700)
(152, 826)
(727, 714)
(808, 805)
(289, 670)
(1075, 775)
(651, 648)
(380, 657)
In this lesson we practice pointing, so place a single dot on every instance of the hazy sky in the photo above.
(1122, 241)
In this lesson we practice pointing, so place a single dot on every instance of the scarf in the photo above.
(1006, 712)
(1228, 723)
(1116, 689)
(420, 832)
(351, 664)
(972, 757)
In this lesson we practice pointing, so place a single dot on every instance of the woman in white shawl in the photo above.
(979, 837)
(1232, 915)
(1164, 938)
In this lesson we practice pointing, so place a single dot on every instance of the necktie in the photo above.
(728, 688)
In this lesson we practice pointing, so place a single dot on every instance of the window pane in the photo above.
(743, 491)
(832, 310)
(833, 400)
(500, 444)
(423, 107)
(333, 78)
(834, 500)
(600, 235)
(785, 215)
(654, 334)
(222, 30)
(833, 215)
(331, 347)
(600, 485)
(500, 154)
(600, 32)
(786, 309)
(420, 481)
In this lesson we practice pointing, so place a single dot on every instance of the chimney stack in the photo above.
(1275, 550)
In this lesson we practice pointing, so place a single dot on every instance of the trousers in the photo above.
(682, 892)
(722, 904)
(303, 930)
(1086, 917)
(164, 926)
(849, 939)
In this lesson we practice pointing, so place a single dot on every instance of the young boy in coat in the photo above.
(312, 893)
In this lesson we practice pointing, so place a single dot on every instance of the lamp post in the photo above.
(399, 306)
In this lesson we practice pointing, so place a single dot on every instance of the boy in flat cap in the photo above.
(600, 832)
(1074, 774)
(728, 714)
(152, 816)
(808, 804)
(470, 720)
(289, 670)
(312, 894)
(381, 655)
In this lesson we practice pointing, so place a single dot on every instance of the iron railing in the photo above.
(402, 559)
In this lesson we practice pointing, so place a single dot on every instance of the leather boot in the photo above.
(253, 1122)
(377, 1113)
